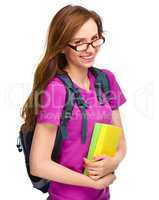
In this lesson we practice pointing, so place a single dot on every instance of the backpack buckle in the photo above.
(79, 99)
(19, 145)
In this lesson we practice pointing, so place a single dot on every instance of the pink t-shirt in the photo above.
(73, 151)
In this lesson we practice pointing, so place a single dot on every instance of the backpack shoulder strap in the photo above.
(101, 84)
(73, 95)
(67, 110)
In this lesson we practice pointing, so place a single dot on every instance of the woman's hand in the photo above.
(100, 166)
(105, 181)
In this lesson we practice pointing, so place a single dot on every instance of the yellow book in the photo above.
(105, 140)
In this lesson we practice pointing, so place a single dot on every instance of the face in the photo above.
(87, 33)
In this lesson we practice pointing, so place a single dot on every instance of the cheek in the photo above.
(70, 53)
(74, 55)
(97, 50)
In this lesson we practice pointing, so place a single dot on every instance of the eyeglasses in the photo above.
(84, 46)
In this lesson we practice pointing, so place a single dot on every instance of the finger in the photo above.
(113, 179)
(88, 162)
(92, 168)
(91, 163)
(93, 173)
(94, 177)
(101, 157)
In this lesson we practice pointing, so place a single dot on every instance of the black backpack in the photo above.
(24, 139)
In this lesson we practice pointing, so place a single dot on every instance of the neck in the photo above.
(77, 74)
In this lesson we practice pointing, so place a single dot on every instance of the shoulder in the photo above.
(57, 86)
(54, 93)
(117, 97)
(110, 75)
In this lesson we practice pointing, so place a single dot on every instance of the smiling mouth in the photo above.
(87, 58)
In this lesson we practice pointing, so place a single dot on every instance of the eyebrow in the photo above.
(85, 38)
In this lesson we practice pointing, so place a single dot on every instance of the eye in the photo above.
(78, 42)
(95, 38)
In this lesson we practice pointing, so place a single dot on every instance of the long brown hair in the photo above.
(63, 26)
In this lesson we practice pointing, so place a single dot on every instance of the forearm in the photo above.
(121, 152)
(53, 171)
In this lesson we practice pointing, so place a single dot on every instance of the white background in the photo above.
(131, 50)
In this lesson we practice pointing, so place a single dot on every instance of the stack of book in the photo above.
(105, 140)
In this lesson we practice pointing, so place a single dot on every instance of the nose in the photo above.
(90, 49)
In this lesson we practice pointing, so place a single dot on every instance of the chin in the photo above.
(89, 65)
(86, 65)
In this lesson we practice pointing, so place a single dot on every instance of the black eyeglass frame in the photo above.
(88, 43)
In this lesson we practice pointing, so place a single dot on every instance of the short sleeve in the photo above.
(117, 97)
(52, 103)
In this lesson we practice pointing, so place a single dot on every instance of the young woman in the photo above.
(74, 39)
